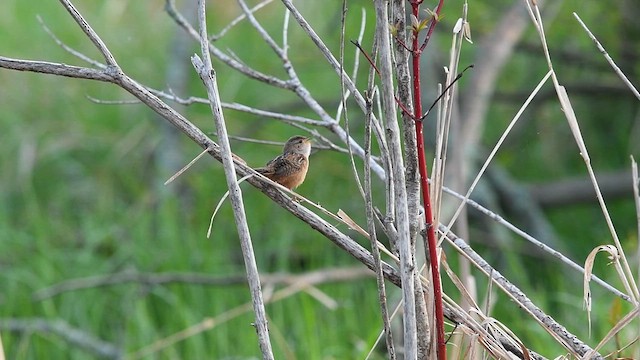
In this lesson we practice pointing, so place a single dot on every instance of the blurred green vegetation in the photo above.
(82, 191)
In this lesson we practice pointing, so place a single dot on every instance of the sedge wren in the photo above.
(289, 168)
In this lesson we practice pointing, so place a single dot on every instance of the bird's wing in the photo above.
(283, 165)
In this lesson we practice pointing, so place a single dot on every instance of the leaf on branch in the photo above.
(424, 23)
(414, 22)
(393, 28)
(433, 15)
(419, 25)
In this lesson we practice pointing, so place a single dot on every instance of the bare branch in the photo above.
(263, 33)
(371, 225)
(237, 20)
(559, 332)
(167, 278)
(220, 55)
(91, 34)
(46, 67)
(68, 49)
(407, 260)
(615, 67)
(208, 76)
(70, 334)
(539, 244)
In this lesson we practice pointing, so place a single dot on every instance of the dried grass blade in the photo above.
(222, 199)
(588, 270)
(352, 224)
(186, 167)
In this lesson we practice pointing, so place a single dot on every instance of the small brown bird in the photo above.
(290, 168)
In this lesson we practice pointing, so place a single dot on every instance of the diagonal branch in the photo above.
(559, 332)
(91, 34)
(220, 55)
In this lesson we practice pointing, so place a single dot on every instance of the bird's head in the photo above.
(299, 145)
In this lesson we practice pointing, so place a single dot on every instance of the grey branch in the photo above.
(91, 34)
(208, 76)
(45, 67)
(167, 278)
(568, 340)
(220, 55)
(405, 248)
(70, 334)
(580, 190)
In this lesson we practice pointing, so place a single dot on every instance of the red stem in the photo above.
(424, 176)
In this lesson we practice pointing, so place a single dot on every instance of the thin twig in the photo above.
(615, 67)
(219, 205)
(444, 92)
(539, 244)
(237, 20)
(180, 20)
(91, 34)
(342, 107)
(261, 30)
(186, 167)
(497, 146)
(68, 48)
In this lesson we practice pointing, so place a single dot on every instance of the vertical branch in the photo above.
(407, 262)
(412, 177)
(636, 198)
(416, 52)
(403, 76)
(371, 225)
(208, 76)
